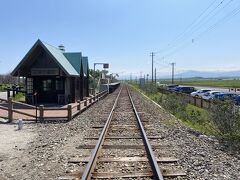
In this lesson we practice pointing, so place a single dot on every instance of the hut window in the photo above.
(29, 85)
(47, 85)
(59, 84)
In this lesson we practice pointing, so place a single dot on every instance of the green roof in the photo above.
(85, 64)
(68, 61)
(74, 59)
(62, 60)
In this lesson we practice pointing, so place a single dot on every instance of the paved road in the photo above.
(3, 95)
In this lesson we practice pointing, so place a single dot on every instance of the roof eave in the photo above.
(13, 73)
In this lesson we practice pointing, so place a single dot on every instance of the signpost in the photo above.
(105, 66)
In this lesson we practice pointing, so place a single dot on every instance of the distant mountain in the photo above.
(208, 74)
(194, 74)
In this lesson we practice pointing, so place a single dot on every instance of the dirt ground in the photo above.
(14, 141)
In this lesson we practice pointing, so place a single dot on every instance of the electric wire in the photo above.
(198, 36)
(192, 25)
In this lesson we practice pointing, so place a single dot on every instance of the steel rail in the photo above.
(153, 162)
(94, 156)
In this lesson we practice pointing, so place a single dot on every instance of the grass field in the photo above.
(204, 82)
(202, 120)
(3, 86)
(19, 97)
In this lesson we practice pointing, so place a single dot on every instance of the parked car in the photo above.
(210, 94)
(171, 87)
(236, 100)
(222, 96)
(185, 89)
(200, 92)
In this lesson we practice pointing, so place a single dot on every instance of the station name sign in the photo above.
(44, 71)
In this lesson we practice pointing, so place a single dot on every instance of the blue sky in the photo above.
(124, 32)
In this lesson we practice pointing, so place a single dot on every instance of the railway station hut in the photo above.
(53, 76)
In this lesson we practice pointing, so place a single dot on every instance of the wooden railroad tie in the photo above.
(124, 159)
(125, 137)
(120, 146)
(104, 175)
(128, 126)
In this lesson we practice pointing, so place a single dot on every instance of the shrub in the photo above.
(173, 103)
(225, 116)
(195, 116)
(150, 88)
(19, 97)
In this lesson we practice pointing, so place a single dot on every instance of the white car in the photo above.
(209, 95)
(200, 92)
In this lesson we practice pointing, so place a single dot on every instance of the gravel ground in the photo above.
(49, 147)
(118, 127)
(46, 148)
(200, 156)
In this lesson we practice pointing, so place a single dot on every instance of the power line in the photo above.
(209, 19)
(192, 24)
(195, 28)
(201, 20)
(224, 19)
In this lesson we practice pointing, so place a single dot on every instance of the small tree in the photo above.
(175, 104)
(225, 116)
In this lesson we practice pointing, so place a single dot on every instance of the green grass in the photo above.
(3, 86)
(204, 82)
(194, 117)
(19, 97)
(202, 124)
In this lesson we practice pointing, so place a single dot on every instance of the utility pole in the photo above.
(155, 76)
(152, 54)
(173, 64)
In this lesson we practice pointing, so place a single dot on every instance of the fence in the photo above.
(42, 113)
(196, 101)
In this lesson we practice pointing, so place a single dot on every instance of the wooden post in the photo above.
(78, 106)
(90, 100)
(69, 109)
(85, 102)
(41, 113)
(195, 101)
(13, 90)
(8, 92)
(17, 90)
(201, 102)
(97, 97)
(10, 109)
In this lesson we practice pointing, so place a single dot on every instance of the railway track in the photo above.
(123, 149)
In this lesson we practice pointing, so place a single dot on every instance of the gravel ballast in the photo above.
(46, 154)
(200, 156)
